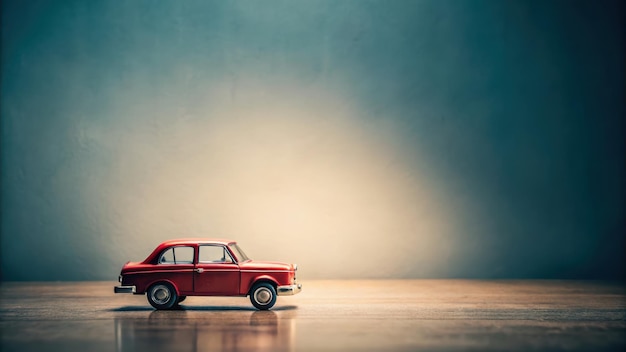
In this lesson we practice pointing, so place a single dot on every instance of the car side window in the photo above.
(214, 254)
(177, 255)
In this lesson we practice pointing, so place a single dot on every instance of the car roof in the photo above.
(196, 240)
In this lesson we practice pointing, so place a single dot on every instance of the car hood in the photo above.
(263, 265)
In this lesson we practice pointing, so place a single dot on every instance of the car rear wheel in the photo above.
(162, 296)
(263, 296)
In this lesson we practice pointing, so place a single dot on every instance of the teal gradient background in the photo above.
(360, 139)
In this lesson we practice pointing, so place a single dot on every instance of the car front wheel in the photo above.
(263, 296)
(162, 296)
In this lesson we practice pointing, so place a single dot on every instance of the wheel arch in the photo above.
(261, 279)
(154, 282)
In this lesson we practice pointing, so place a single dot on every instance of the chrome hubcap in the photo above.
(160, 294)
(263, 295)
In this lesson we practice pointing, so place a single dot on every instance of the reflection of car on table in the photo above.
(206, 267)
(194, 330)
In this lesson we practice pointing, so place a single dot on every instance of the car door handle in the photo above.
(198, 270)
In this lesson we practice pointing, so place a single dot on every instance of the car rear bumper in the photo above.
(288, 290)
(124, 289)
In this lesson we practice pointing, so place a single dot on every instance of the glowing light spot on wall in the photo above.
(293, 178)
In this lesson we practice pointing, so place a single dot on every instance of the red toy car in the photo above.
(206, 267)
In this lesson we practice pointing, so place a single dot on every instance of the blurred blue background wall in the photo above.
(360, 139)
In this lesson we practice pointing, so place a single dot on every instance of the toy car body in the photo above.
(206, 267)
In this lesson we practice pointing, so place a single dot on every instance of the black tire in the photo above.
(180, 299)
(162, 296)
(263, 296)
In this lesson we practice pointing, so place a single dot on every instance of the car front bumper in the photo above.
(288, 290)
(124, 289)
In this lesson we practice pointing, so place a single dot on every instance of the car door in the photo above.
(176, 264)
(216, 272)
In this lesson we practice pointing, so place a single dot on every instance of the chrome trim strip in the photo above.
(124, 289)
(288, 290)
(160, 271)
(226, 270)
(265, 271)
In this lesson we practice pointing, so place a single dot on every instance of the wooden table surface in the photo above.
(380, 315)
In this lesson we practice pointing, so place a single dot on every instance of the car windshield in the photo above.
(238, 252)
